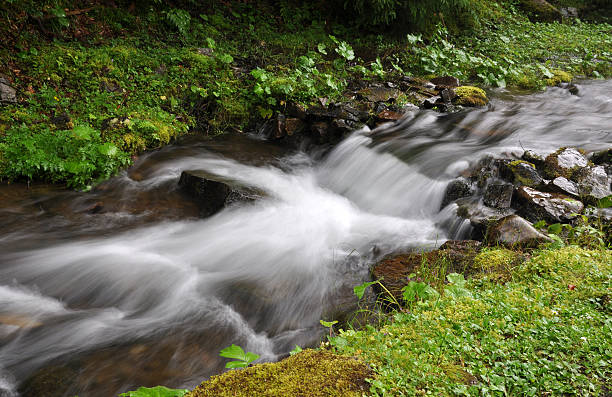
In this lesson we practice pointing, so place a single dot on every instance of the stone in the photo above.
(470, 96)
(593, 183)
(535, 205)
(498, 195)
(565, 186)
(448, 94)
(541, 11)
(453, 256)
(62, 121)
(213, 192)
(481, 217)
(379, 94)
(563, 162)
(445, 81)
(429, 103)
(574, 89)
(296, 110)
(601, 157)
(524, 173)
(294, 126)
(388, 115)
(7, 93)
(533, 157)
(514, 231)
(456, 189)
(205, 51)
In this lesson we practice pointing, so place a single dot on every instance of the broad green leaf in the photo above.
(108, 149)
(360, 289)
(555, 228)
(237, 364)
(233, 351)
(295, 350)
(605, 202)
(83, 132)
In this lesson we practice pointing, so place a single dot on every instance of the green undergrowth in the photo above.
(544, 332)
(138, 77)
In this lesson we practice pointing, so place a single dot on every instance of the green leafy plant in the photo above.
(243, 359)
(330, 325)
(456, 288)
(418, 291)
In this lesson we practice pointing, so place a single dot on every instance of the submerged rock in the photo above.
(213, 192)
(514, 231)
(552, 207)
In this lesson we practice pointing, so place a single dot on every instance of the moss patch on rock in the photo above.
(470, 96)
(559, 76)
(308, 373)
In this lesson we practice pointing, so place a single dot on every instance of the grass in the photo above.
(545, 332)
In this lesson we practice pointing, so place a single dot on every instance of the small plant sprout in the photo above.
(236, 352)
(330, 325)
(157, 391)
(295, 350)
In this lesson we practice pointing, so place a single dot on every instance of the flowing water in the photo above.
(104, 291)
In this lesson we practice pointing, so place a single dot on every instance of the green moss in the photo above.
(559, 76)
(540, 10)
(522, 175)
(308, 373)
(470, 96)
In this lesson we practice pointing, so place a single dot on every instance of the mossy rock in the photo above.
(541, 10)
(309, 373)
(470, 96)
(559, 76)
(525, 173)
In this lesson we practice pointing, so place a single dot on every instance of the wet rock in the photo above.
(430, 103)
(49, 382)
(456, 189)
(388, 115)
(490, 167)
(7, 93)
(593, 183)
(498, 195)
(294, 126)
(320, 131)
(565, 186)
(296, 110)
(452, 257)
(446, 81)
(563, 163)
(535, 205)
(345, 111)
(213, 192)
(533, 157)
(470, 96)
(379, 94)
(481, 217)
(524, 173)
(601, 157)
(574, 89)
(448, 94)
(514, 231)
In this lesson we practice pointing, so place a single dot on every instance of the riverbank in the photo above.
(87, 89)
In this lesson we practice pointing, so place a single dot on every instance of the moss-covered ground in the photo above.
(99, 82)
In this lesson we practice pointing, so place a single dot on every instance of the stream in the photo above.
(124, 286)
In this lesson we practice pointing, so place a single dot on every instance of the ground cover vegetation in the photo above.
(98, 82)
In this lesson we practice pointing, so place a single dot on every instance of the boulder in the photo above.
(213, 192)
(541, 10)
(456, 189)
(470, 96)
(514, 231)
(481, 217)
(524, 173)
(551, 207)
(601, 157)
(498, 195)
(7, 93)
(564, 185)
(534, 157)
(445, 81)
(564, 162)
(593, 183)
